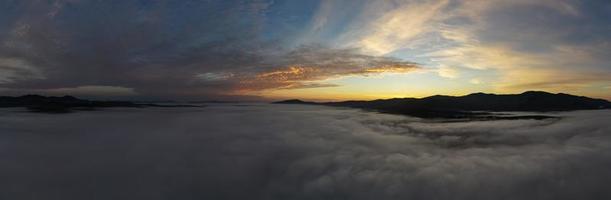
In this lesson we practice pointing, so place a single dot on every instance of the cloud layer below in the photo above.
(257, 151)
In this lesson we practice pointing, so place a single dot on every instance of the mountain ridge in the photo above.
(442, 106)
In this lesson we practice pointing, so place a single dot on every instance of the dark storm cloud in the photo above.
(148, 45)
(300, 152)
(155, 47)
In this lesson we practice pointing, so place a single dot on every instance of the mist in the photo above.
(262, 151)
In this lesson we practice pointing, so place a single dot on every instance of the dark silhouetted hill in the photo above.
(38, 103)
(440, 106)
(295, 101)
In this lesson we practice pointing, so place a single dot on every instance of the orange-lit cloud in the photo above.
(307, 65)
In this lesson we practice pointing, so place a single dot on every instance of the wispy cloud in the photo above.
(15, 70)
(393, 25)
(526, 43)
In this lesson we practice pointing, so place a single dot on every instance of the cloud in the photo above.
(207, 49)
(301, 152)
(14, 70)
(309, 85)
(516, 43)
(148, 46)
(532, 48)
(475, 81)
(317, 63)
(448, 72)
(393, 25)
(201, 49)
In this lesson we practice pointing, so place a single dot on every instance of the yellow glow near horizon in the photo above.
(383, 86)
(455, 60)
(416, 85)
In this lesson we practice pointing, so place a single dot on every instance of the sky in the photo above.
(316, 49)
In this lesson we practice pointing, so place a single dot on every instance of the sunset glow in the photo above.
(306, 49)
(305, 99)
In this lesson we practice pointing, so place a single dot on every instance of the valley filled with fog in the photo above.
(265, 151)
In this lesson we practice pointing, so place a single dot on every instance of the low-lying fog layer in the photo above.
(299, 152)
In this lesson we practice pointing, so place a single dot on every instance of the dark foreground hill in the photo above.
(37, 103)
(465, 106)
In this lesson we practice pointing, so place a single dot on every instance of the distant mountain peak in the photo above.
(534, 92)
(294, 101)
(479, 94)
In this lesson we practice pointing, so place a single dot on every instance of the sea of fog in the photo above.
(264, 151)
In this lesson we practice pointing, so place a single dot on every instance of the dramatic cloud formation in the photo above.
(211, 49)
(257, 151)
(156, 48)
